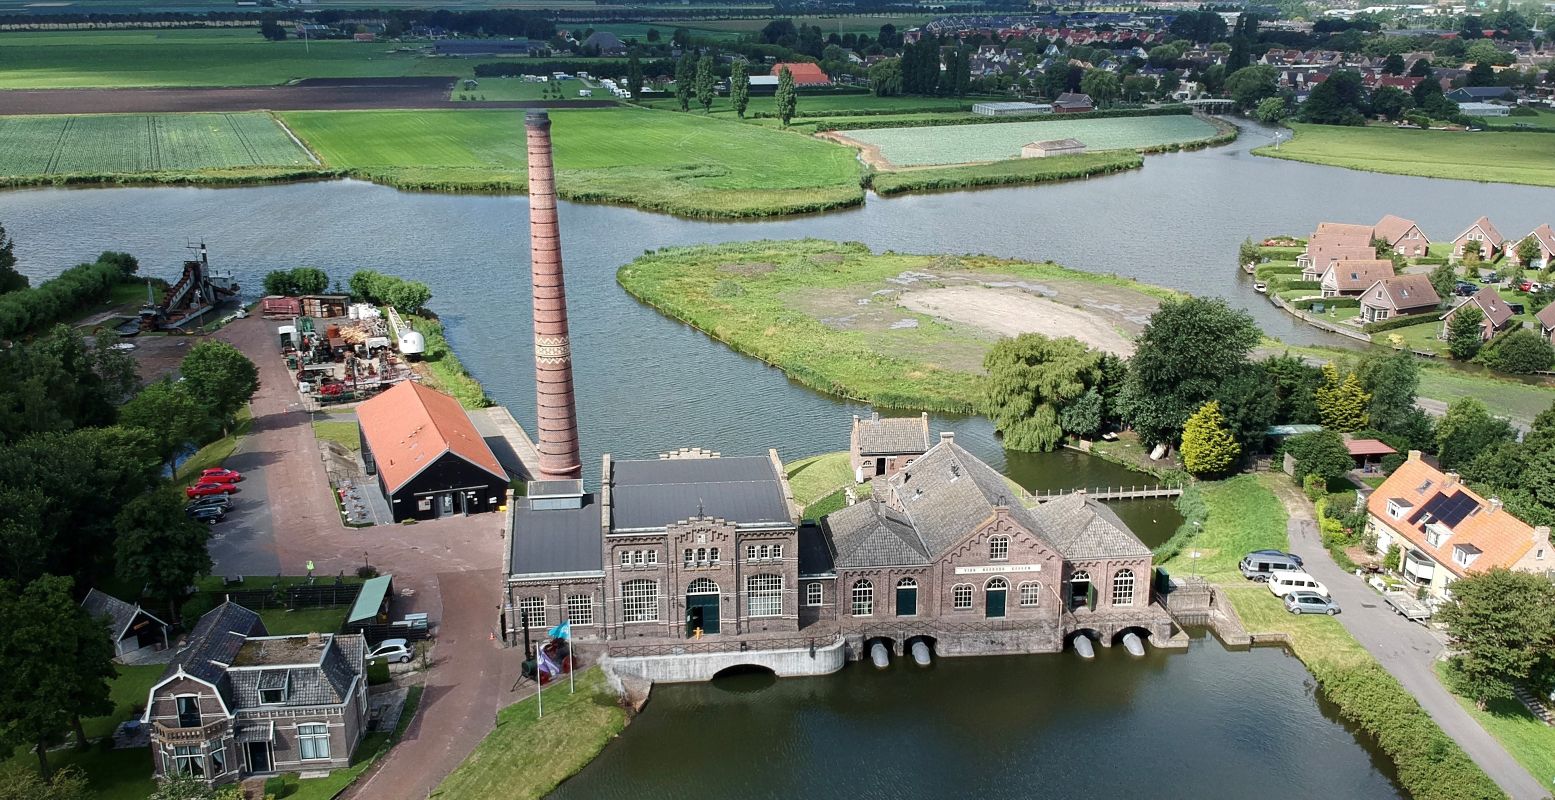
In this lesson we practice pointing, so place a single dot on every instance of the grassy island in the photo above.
(1005, 173)
(895, 330)
(1501, 156)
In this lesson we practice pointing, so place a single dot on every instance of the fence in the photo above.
(303, 595)
(377, 633)
(1116, 492)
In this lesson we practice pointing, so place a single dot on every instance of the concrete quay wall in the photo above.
(695, 667)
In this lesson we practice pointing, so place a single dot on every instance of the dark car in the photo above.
(1465, 289)
(209, 515)
(221, 501)
(1271, 552)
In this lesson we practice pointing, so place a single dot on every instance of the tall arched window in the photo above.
(1079, 588)
(961, 595)
(1123, 588)
(907, 598)
(995, 592)
(863, 598)
(764, 595)
(702, 586)
(640, 600)
(998, 548)
(1030, 594)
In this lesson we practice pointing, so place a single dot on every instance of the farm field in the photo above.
(140, 143)
(656, 160)
(999, 140)
(1496, 157)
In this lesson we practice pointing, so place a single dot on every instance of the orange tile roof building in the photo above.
(804, 74)
(429, 458)
(1447, 532)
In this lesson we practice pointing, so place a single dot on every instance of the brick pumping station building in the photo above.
(684, 565)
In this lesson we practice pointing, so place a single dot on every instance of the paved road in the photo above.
(1406, 649)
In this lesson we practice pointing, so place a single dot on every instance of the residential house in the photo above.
(1398, 296)
(1546, 318)
(1403, 235)
(1073, 103)
(1483, 235)
(1545, 237)
(1496, 315)
(1324, 252)
(1350, 277)
(1447, 532)
(804, 74)
(1479, 94)
(883, 446)
(429, 459)
(134, 630)
(235, 702)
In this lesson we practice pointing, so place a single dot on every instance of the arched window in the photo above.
(640, 600)
(313, 740)
(1030, 594)
(702, 586)
(863, 598)
(1123, 588)
(996, 584)
(961, 595)
(995, 592)
(907, 598)
(1080, 589)
(998, 548)
(764, 595)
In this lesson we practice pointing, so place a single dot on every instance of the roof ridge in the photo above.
(418, 389)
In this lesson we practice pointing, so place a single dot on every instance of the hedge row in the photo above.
(978, 119)
(1329, 302)
(1406, 321)
(1434, 261)
(29, 309)
(1301, 285)
(862, 112)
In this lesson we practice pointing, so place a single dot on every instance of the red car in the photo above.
(220, 475)
(203, 489)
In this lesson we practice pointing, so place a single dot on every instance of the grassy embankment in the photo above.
(526, 757)
(745, 295)
(1499, 157)
(1529, 740)
(1244, 514)
(444, 368)
(1006, 173)
(820, 483)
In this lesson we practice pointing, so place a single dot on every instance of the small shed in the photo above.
(131, 627)
(372, 604)
(1368, 453)
(1052, 147)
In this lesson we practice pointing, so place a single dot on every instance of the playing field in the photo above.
(1503, 157)
(135, 143)
(959, 144)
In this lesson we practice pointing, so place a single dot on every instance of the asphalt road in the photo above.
(1409, 651)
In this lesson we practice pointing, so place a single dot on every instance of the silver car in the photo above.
(1307, 602)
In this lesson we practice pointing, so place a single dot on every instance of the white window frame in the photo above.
(580, 609)
(999, 548)
(1123, 587)
(187, 758)
(308, 741)
(764, 595)
(1395, 509)
(216, 757)
(962, 596)
(813, 593)
(639, 600)
(534, 607)
(863, 598)
(1030, 594)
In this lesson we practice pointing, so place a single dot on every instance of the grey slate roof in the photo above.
(555, 540)
(215, 643)
(326, 682)
(1083, 528)
(120, 615)
(948, 491)
(659, 492)
(815, 556)
(871, 534)
(893, 435)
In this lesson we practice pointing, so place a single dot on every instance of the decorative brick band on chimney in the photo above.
(556, 408)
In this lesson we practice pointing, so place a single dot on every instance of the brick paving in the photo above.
(452, 567)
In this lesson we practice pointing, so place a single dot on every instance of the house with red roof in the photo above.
(804, 74)
(1495, 314)
(1482, 235)
(1545, 237)
(429, 459)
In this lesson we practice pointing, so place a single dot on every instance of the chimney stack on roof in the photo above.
(947, 436)
(556, 408)
(1414, 455)
(1449, 480)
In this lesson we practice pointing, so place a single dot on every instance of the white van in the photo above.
(1282, 582)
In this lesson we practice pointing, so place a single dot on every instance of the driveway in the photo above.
(1406, 649)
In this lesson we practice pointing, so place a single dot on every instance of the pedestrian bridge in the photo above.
(1209, 104)
(1115, 492)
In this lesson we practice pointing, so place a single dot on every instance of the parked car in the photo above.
(1284, 581)
(209, 515)
(1488, 279)
(1271, 552)
(221, 501)
(1258, 566)
(1465, 289)
(1305, 602)
(203, 489)
(220, 475)
(396, 650)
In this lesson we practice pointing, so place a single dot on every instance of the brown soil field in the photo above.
(1012, 312)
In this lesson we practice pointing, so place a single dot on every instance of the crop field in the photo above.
(1498, 157)
(520, 89)
(960, 144)
(657, 160)
(137, 143)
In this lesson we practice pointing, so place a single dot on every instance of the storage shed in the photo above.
(131, 627)
(1053, 147)
(429, 459)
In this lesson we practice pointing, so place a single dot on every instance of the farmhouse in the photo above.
(430, 460)
(1481, 236)
(1545, 237)
(1497, 316)
(1398, 296)
(1352, 276)
(1010, 109)
(804, 74)
(1054, 147)
(882, 447)
(1447, 532)
(1073, 103)
(1403, 235)
(134, 630)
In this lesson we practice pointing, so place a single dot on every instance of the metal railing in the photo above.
(1116, 492)
(704, 646)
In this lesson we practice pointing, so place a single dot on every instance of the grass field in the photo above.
(968, 143)
(342, 432)
(1529, 741)
(654, 160)
(139, 143)
(1497, 157)
(1006, 173)
(824, 103)
(818, 476)
(1244, 515)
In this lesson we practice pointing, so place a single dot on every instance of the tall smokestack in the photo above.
(556, 408)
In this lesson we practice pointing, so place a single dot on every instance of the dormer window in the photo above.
(1397, 509)
(1437, 533)
(272, 687)
(1464, 554)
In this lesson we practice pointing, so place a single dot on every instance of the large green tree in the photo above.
(1249, 401)
(885, 78)
(1336, 101)
(58, 382)
(1249, 86)
(1392, 379)
(220, 377)
(1468, 429)
(170, 413)
(1521, 352)
(739, 88)
(634, 74)
(1502, 627)
(787, 98)
(10, 279)
(1208, 449)
(704, 83)
(1463, 332)
(160, 548)
(1031, 380)
(1341, 401)
(685, 69)
(1103, 86)
(1180, 361)
(1322, 454)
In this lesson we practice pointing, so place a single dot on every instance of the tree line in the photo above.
(25, 308)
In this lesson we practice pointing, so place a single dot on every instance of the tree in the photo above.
(169, 413)
(1392, 379)
(1521, 352)
(1341, 402)
(1502, 627)
(1101, 85)
(58, 661)
(1295, 384)
(310, 280)
(684, 69)
(1249, 402)
(634, 71)
(1031, 379)
(1207, 446)
(66, 784)
(1336, 101)
(1527, 252)
(1421, 69)
(1322, 454)
(279, 282)
(1443, 280)
(1393, 64)
(220, 378)
(1249, 86)
(1138, 87)
(1180, 361)
(704, 84)
(161, 548)
(271, 29)
(1486, 52)
(10, 279)
(189, 787)
(1084, 417)
(1272, 110)
(1481, 74)
(1466, 430)
(786, 98)
(739, 89)
(885, 78)
(1391, 102)
(1464, 332)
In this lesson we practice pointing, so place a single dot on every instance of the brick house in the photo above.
(1403, 235)
(1497, 314)
(1481, 234)
(1447, 532)
(1073, 103)
(1352, 276)
(881, 447)
(1398, 296)
(805, 74)
(1546, 256)
(235, 702)
(1331, 243)
(1546, 318)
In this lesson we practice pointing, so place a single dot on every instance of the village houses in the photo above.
(1496, 314)
(1483, 236)
(1398, 296)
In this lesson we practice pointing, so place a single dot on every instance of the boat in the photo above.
(1261, 287)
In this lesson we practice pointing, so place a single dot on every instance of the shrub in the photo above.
(1314, 487)
(29, 309)
(1522, 352)
(1190, 504)
(1327, 302)
(367, 572)
(1301, 285)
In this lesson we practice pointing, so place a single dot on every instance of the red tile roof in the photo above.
(1500, 538)
(1368, 447)
(410, 426)
(804, 74)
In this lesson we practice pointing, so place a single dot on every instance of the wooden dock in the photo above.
(1116, 493)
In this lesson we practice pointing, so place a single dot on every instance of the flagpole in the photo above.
(539, 678)
(572, 664)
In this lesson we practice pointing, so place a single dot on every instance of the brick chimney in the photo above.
(556, 408)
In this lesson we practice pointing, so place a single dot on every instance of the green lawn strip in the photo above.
(743, 295)
(295, 621)
(448, 374)
(1504, 157)
(1419, 338)
(526, 757)
(1008, 172)
(342, 432)
(1243, 515)
(1529, 741)
(371, 748)
(128, 691)
(838, 500)
(815, 477)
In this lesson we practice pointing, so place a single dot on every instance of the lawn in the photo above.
(999, 140)
(140, 143)
(1529, 741)
(1486, 156)
(1244, 515)
(1419, 338)
(128, 692)
(294, 621)
(818, 476)
(1519, 401)
(663, 161)
(527, 757)
(1007, 173)
(342, 432)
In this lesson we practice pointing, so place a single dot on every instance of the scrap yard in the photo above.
(340, 352)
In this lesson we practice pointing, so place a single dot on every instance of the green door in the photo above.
(701, 612)
(907, 601)
(994, 606)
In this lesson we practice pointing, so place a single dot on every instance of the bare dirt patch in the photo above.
(1011, 312)
(751, 268)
